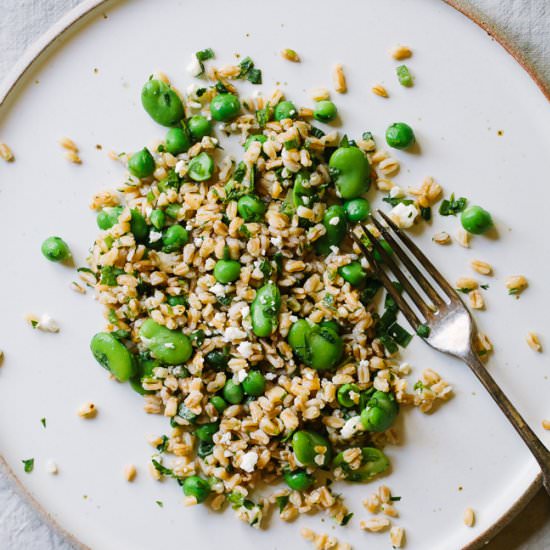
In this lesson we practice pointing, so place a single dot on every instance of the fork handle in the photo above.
(539, 450)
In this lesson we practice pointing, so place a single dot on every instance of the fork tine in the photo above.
(407, 311)
(430, 268)
(415, 272)
(419, 302)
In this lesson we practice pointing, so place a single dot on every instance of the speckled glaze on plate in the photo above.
(467, 90)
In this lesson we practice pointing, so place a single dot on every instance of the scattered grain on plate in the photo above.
(290, 55)
(546, 424)
(73, 157)
(319, 94)
(69, 144)
(305, 112)
(380, 90)
(159, 75)
(482, 267)
(516, 284)
(44, 323)
(323, 541)
(155, 474)
(469, 517)
(372, 503)
(442, 238)
(389, 167)
(397, 537)
(78, 288)
(374, 525)
(401, 52)
(384, 493)
(130, 472)
(87, 410)
(390, 510)
(6, 152)
(466, 283)
(476, 300)
(463, 238)
(534, 342)
(384, 184)
(1, 357)
(51, 467)
(484, 345)
(339, 79)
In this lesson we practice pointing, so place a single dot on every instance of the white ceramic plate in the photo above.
(468, 90)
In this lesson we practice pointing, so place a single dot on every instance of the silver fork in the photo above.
(451, 327)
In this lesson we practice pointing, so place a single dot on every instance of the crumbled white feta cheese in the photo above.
(396, 192)
(351, 427)
(194, 68)
(404, 215)
(47, 324)
(334, 249)
(51, 467)
(334, 221)
(270, 376)
(245, 349)
(154, 236)
(277, 241)
(364, 262)
(233, 333)
(170, 345)
(245, 311)
(364, 363)
(240, 376)
(197, 241)
(180, 167)
(293, 318)
(218, 289)
(249, 461)
(225, 438)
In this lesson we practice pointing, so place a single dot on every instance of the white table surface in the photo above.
(526, 22)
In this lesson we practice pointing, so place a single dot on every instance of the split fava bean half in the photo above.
(264, 310)
(351, 171)
(373, 462)
(162, 103)
(169, 346)
(113, 355)
(307, 444)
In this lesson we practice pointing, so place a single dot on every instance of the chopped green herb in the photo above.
(426, 213)
(159, 503)
(453, 206)
(484, 287)
(112, 317)
(404, 76)
(400, 335)
(246, 64)
(328, 299)
(221, 88)
(419, 386)
(394, 201)
(395, 499)
(43, 422)
(266, 268)
(254, 76)
(28, 465)
(204, 55)
(464, 290)
(346, 519)
(316, 132)
(240, 172)
(34, 323)
(224, 300)
(282, 501)
(244, 231)
(423, 331)
(163, 445)
(162, 469)
(291, 144)
(197, 337)
(109, 274)
(367, 136)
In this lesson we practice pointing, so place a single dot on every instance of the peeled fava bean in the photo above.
(113, 355)
(171, 347)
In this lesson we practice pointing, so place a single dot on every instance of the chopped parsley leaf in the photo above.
(28, 465)
(453, 206)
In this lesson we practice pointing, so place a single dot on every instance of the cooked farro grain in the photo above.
(397, 537)
(375, 524)
(442, 238)
(466, 284)
(6, 153)
(339, 79)
(87, 410)
(476, 300)
(401, 52)
(380, 90)
(68, 144)
(546, 424)
(469, 517)
(463, 238)
(534, 342)
(78, 288)
(290, 55)
(130, 472)
(482, 267)
(516, 284)
(51, 467)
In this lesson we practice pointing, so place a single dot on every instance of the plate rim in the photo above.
(46, 41)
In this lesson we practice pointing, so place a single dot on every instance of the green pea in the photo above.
(298, 480)
(225, 107)
(343, 395)
(373, 462)
(251, 208)
(351, 172)
(357, 210)
(141, 164)
(303, 445)
(107, 217)
(256, 137)
(353, 273)
(220, 404)
(227, 271)
(177, 141)
(380, 412)
(335, 224)
(173, 210)
(264, 310)
(205, 432)
(138, 226)
(233, 393)
(113, 355)
(177, 300)
(254, 383)
(174, 238)
(55, 249)
(158, 218)
(284, 110)
(325, 348)
(201, 167)
(218, 358)
(325, 111)
(195, 486)
(400, 135)
(169, 346)
(161, 103)
(199, 126)
(476, 220)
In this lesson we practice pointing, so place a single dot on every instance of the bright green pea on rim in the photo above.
(55, 249)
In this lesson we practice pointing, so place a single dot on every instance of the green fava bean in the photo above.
(357, 210)
(251, 208)
(298, 480)
(331, 324)
(138, 226)
(217, 359)
(107, 217)
(158, 219)
(373, 462)
(264, 310)
(205, 432)
(325, 111)
(177, 141)
(141, 164)
(144, 370)
(195, 486)
(476, 220)
(351, 171)
(174, 238)
(325, 348)
(298, 339)
(173, 210)
(284, 110)
(343, 395)
(233, 393)
(169, 346)
(199, 126)
(304, 443)
(161, 103)
(400, 135)
(219, 403)
(353, 273)
(225, 107)
(227, 271)
(201, 167)
(256, 137)
(55, 249)
(113, 355)
(335, 224)
(254, 384)
(380, 412)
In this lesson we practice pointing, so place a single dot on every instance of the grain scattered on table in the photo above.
(476, 300)
(546, 424)
(130, 472)
(290, 55)
(466, 284)
(51, 467)
(319, 94)
(380, 90)
(375, 525)
(463, 238)
(469, 517)
(87, 410)
(401, 52)
(6, 153)
(534, 341)
(516, 284)
(442, 238)
(397, 537)
(339, 79)
(482, 267)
